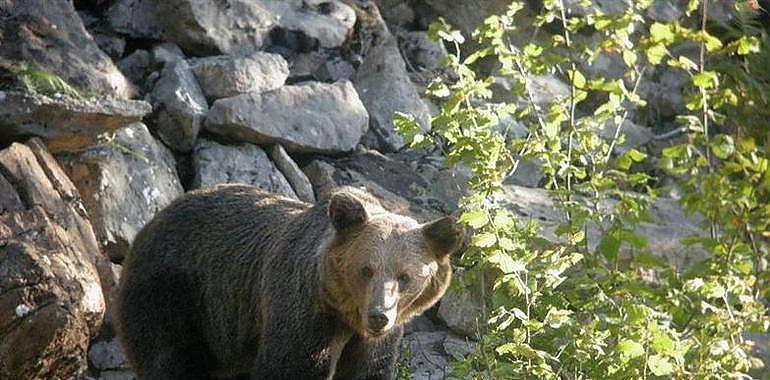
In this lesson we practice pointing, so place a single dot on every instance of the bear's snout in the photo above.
(377, 321)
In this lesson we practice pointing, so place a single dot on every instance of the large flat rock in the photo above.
(314, 117)
(64, 123)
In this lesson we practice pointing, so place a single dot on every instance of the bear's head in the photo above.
(380, 269)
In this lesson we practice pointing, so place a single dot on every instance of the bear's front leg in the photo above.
(298, 352)
(370, 359)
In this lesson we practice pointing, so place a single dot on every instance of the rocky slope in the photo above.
(294, 97)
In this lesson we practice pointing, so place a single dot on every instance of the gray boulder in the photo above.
(634, 136)
(428, 354)
(608, 7)
(467, 15)
(51, 35)
(179, 105)
(316, 117)
(664, 235)
(384, 86)
(241, 26)
(52, 274)
(421, 52)
(245, 163)
(106, 355)
(136, 66)
(224, 76)
(164, 53)
(64, 123)
(460, 309)
(398, 187)
(135, 18)
(124, 181)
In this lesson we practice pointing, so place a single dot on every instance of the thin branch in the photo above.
(625, 116)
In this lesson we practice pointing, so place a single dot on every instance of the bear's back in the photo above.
(210, 251)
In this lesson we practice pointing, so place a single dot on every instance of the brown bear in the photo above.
(233, 282)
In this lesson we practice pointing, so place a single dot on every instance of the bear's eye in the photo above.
(404, 279)
(367, 272)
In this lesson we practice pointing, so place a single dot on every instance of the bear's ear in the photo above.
(444, 235)
(345, 211)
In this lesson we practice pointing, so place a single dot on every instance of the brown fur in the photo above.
(231, 282)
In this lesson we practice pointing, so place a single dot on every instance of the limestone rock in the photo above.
(136, 66)
(428, 353)
(166, 52)
(608, 7)
(292, 173)
(467, 15)
(329, 22)
(111, 44)
(634, 135)
(544, 89)
(316, 117)
(107, 355)
(51, 35)
(664, 235)
(421, 52)
(399, 188)
(383, 84)
(135, 18)
(460, 308)
(224, 76)
(65, 123)
(124, 181)
(51, 271)
(179, 105)
(245, 163)
(244, 26)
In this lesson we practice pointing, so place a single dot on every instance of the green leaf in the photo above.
(712, 289)
(636, 155)
(636, 241)
(484, 240)
(475, 218)
(661, 32)
(655, 53)
(723, 146)
(609, 246)
(660, 365)
(747, 45)
(577, 79)
(557, 317)
(663, 344)
(691, 6)
(706, 79)
(532, 50)
(505, 263)
(629, 57)
(409, 129)
(629, 349)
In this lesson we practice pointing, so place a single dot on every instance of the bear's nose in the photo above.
(377, 321)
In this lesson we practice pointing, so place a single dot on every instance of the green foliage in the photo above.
(403, 371)
(586, 307)
(30, 78)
